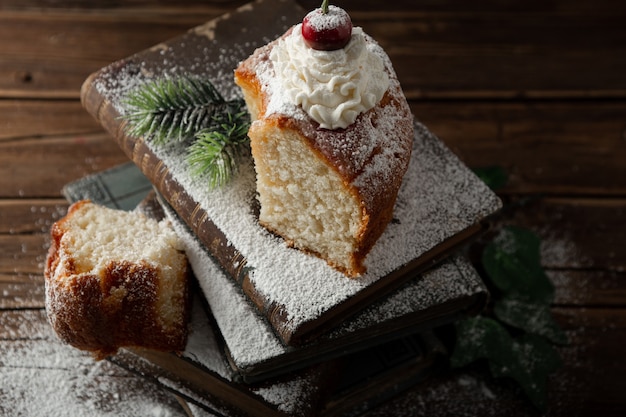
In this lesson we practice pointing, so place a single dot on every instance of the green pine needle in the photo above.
(174, 109)
(216, 153)
(192, 111)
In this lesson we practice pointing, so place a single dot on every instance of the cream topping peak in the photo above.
(332, 87)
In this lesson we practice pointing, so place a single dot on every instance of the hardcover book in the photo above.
(347, 386)
(441, 204)
(447, 291)
(331, 377)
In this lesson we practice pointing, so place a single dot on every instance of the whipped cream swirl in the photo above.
(333, 87)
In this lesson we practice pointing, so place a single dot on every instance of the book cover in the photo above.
(202, 378)
(441, 205)
(449, 290)
(446, 292)
(344, 387)
(201, 375)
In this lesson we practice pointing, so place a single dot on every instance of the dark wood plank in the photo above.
(513, 7)
(21, 290)
(547, 51)
(22, 119)
(588, 288)
(552, 147)
(24, 216)
(458, 393)
(511, 56)
(354, 6)
(582, 247)
(52, 56)
(28, 254)
(594, 354)
(591, 381)
(577, 234)
(33, 168)
(100, 6)
(24, 240)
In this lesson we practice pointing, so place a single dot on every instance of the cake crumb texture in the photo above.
(327, 192)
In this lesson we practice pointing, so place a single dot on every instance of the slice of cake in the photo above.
(331, 137)
(115, 278)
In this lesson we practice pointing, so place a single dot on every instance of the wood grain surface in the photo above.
(536, 87)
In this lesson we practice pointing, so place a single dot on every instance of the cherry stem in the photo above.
(324, 6)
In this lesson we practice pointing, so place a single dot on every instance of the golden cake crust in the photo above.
(371, 155)
(114, 308)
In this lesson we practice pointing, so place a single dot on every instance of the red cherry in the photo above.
(327, 31)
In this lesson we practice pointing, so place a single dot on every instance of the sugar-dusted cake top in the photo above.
(370, 151)
(332, 87)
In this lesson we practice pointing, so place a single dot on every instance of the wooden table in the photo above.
(537, 88)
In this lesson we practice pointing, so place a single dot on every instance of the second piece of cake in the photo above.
(114, 279)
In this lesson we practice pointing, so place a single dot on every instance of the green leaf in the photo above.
(481, 338)
(512, 262)
(494, 176)
(529, 359)
(531, 317)
(535, 359)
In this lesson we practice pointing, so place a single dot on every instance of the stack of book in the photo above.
(275, 331)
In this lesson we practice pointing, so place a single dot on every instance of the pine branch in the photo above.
(191, 110)
(216, 152)
(175, 109)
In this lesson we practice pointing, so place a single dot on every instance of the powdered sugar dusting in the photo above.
(325, 21)
(461, 394)
(202, 345)
(250, 339)
(439, 197)
(450, 280)
(53, 379)
(435, 202)
(248, 336)
(204, 52)
(285, 394)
